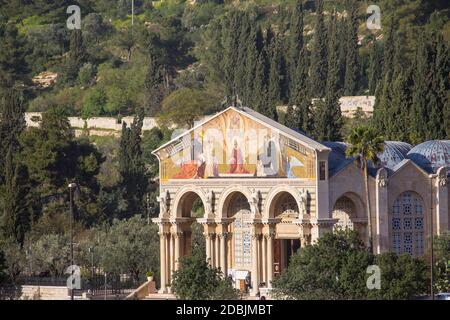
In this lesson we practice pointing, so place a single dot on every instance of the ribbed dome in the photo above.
(394, 152)
(431, 155)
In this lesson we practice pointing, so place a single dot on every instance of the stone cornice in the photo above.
(270, 221)
(324, 222)
(181, 220)
(161, 220)
(206, 221)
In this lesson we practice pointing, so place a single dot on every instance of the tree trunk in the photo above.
(369, 215)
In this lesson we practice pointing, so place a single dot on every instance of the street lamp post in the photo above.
(91, 251)
(431, 241)
(71, 187)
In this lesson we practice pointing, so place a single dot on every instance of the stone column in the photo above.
(255, 262)
(264, 260)
(381, 238)
(441, 200)
(208, 248)
(171, 255)
(223, 253)
(269, 240)
(163, 260)
(177, 237)
(216, 251)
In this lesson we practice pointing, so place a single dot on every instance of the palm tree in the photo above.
(365, 145)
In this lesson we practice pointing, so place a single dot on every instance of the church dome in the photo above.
(337, 158)
(394, 152)
(431, 155)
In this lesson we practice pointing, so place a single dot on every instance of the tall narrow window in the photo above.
(407, 225)
(322, 170)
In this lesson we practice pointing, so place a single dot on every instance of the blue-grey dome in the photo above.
(394, 152)
(337, 158)
(431, 155)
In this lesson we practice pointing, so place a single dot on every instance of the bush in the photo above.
(335, 268)
(196, 280)
(86, 74)
(94, 103)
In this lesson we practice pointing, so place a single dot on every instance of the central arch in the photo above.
(226, 198)
(277, 194)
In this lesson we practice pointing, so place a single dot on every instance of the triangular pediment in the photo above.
(239, 143)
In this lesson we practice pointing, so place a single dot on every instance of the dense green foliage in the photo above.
(180, 61)
(261, 54)
(335, 268)
(197, 280)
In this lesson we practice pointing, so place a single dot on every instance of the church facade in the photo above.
(268, 190)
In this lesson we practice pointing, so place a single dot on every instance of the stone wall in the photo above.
(100, 123)
(44, 293)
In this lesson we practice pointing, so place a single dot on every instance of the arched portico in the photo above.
(184, 200)
(274, 197)
(227, 196)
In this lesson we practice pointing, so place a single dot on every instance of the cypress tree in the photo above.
(399, 107)
(383, 91)
(342, 57)
(295, 44)
(13, 66)
(231, 45)
(77, 55)
(351, 62)
(134, 181)
(318, 73)
(389, 48)
(420, 88)
(328, 120)
(437, 94)
(299, 110)
(15, 211)
(260, 88)
(375, 67)
(155, 87)
(12, 123)
(274, 91)
(250, 65)
(241, 62)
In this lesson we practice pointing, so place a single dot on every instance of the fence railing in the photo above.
(96, 285)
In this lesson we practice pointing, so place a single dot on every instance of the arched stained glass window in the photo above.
(242, 237)
(344, 211)
(407, 224)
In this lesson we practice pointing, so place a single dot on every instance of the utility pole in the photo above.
(71, 187)
(132, 16)
(431, 237)
(148, 208)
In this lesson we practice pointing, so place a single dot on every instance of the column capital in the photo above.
(269, 235)
(210, 235)
(223, 235)
(163, 234)
(256, 236)
(177, 234)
